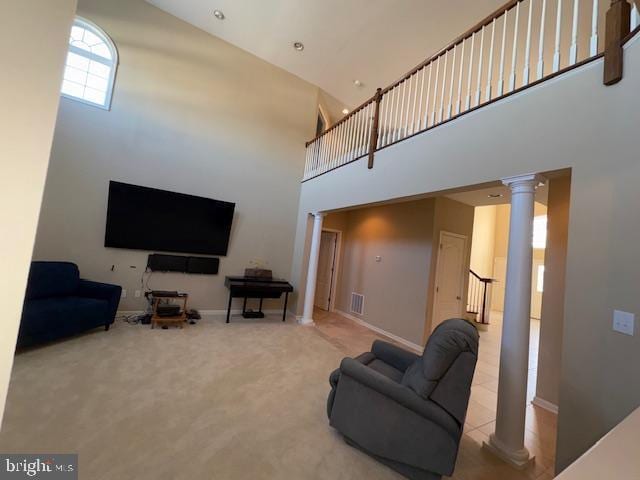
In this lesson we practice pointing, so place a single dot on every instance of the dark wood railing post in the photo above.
(618, 25)
(373, 142)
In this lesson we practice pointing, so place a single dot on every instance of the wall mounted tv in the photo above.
(142, 218)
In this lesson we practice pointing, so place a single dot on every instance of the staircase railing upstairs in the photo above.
(523, 43)
(479, 297)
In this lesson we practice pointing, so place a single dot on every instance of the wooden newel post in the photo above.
(618, 26)
(373, 142)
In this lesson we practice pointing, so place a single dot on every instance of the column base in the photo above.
(519, 459)
(308, 322)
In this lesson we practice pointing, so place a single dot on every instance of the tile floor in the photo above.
(473, 462)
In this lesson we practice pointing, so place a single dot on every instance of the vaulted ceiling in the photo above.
(373, 41)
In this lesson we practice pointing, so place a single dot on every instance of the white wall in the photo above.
(191, 113)
(484, 233)
(572, 121)
(33, 45)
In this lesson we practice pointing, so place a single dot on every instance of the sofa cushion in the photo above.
(446, 343)
(63, 316)
(52, 279)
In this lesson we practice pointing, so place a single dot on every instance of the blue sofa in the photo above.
(58, 303)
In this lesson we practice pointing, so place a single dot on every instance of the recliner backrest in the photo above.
(52, 279)
(445, 371)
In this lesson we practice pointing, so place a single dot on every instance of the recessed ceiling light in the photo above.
(299, 46)
(358, 83)
(218, 14)
(495, 195)
(345, 111)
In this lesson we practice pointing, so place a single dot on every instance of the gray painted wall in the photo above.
(571, 121)
(191, 114)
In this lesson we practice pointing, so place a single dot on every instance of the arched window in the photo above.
(91, 65)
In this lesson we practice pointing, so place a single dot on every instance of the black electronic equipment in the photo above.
(168, 310)
(177, 263)
(150, 219)
(167, 263)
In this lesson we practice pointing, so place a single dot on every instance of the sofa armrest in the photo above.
(102, 291)
(400, 394)
(397, 357)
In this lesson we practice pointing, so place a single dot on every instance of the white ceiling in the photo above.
(374, 41)
(487, 196)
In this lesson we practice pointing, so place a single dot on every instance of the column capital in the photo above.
(318, 214)
(524, 183)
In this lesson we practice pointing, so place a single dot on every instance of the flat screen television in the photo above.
(142, 218)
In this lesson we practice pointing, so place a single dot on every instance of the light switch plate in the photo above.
(623, 322)
(124, 293)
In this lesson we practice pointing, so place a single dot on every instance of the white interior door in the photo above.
(326, 265)
(450, 275)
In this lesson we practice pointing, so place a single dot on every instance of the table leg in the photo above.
(229, 307)
(244, 306)
(284, 310)
(260, 310)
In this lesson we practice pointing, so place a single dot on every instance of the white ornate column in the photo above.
(508, 439)
(312, 271)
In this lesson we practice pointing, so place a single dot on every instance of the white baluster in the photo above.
(404, 100)
(635, 17)
(367, 136)
(543, 15)
(453, 81)
(415, 101)
(467, 103)
(573, 51)
(514, 58)
(354, 136)
(424, 73)
(391, 95)
(335, 153)
(444, 86)
(426, 105)
(556, 54)
(434, 118)
(332, 151)
(459, 102)
(363, 131)
(593, 50)
(322, 146)
(306, 163)
(403, 124)
(381, 125)
(480, 60)
(343, 137)
(527, 50)
(490, 65)
(396, 123)
(410, 87)
(502, 55)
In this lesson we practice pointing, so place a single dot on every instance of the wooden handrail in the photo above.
(483, 280)
(477, 27)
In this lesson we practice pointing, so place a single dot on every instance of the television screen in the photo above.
(144, 218)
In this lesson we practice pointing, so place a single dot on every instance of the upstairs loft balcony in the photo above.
(522, 44)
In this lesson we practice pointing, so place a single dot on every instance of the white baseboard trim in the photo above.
(413, 346)
(544, 404)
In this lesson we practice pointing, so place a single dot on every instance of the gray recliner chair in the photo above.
(407, 410)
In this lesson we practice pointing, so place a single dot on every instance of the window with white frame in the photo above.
(91, 65)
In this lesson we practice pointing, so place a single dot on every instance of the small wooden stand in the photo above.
(177, 319)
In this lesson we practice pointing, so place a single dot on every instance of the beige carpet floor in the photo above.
(211, 401)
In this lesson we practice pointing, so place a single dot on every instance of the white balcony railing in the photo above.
(524, 42)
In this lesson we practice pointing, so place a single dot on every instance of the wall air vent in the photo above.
(357, 303)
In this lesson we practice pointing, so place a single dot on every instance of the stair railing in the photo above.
(479, 297)
(523, 43)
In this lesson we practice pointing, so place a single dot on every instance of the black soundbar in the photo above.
(177, 263)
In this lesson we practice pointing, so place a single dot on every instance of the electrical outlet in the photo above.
(137, 293)
(623, 322)
(123, 294)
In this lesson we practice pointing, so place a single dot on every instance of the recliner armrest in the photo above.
(400, 394)
(397, 357)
